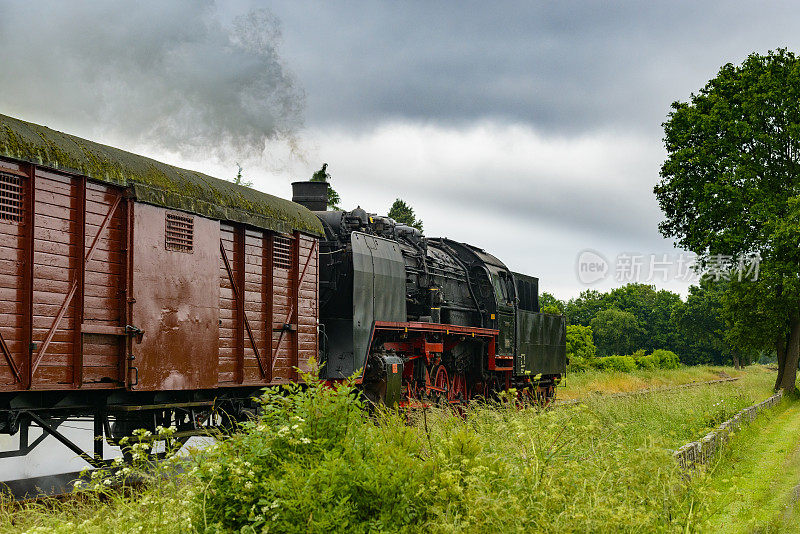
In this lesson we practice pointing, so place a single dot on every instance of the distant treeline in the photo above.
(638, 317)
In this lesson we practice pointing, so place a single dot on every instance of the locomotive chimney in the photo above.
(313, 195)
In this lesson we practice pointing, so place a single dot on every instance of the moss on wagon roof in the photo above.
(153, 182)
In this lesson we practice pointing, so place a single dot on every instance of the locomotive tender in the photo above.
(135, 294)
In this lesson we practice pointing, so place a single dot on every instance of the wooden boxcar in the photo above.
(140, 293)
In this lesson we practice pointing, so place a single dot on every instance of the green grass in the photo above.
(751, 487)
(592, 381)
(314, 463)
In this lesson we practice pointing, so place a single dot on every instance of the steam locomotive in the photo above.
(137, 294)
(427, 318)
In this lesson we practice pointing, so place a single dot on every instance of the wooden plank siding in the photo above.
(271, 300)
(308, 298)
(104, 286)
(48, 290)
(14, 308)
(66, 278)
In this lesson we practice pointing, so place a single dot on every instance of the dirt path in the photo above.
(753, 488)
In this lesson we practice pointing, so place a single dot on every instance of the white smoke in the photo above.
(179, 76)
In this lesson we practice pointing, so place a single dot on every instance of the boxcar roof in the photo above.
(153, 182)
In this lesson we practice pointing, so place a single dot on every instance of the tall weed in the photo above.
(316, 461)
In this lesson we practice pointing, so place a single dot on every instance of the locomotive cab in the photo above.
(505, 297)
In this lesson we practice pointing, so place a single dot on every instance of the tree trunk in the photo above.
(789, 376)
(780, 349)
(736, 360)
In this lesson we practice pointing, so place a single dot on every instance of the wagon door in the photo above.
(77, 266)
(294, 305)
(176, 300)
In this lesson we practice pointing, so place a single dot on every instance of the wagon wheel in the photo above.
(441, 383)
(546, 396)
(527, 396)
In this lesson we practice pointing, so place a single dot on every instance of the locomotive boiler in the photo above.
(416, 318)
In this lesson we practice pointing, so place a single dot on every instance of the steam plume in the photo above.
(176, 75)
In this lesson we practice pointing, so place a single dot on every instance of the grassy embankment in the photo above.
(583, 384)
(753, 488)
(313, 463)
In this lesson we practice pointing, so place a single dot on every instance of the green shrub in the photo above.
(580, 342)
(552, 310)
(315, 462)
(577, 364)
(647, 362)
(659, 359)
(666, 359)
(604, 465)
(624, 364)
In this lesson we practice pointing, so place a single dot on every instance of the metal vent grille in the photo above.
(179, 233)
(282, 252)
(10, 197)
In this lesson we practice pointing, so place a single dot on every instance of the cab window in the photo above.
(500, 289)
(503, 286)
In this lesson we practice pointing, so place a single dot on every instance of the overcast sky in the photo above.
(530, 129)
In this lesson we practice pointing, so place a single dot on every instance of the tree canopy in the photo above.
(730, 186)
(701, 330)
(616, 332)
(582, 309)
(652, 309)
(403, 213)
(701, 324)
(580, 341)
(547, 300)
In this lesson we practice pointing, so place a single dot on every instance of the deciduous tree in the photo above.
(580, 342)
(547, 300)
(616, 332)
(403, 213)
(581, 310)
(652, 308)
(700, 324)
(732, 177)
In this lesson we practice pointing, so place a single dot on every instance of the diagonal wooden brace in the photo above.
(237, 296)
(291, 308)
(9, 358)
(73, 288)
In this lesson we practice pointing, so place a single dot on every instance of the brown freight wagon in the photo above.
(139, 293)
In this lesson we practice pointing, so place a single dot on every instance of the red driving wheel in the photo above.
(441, 382)
(458, 391)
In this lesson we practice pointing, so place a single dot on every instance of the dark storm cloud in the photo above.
(574, 94)
(167, 74)
(561, 66)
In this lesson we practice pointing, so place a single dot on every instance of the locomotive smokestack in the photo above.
(313, 195)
